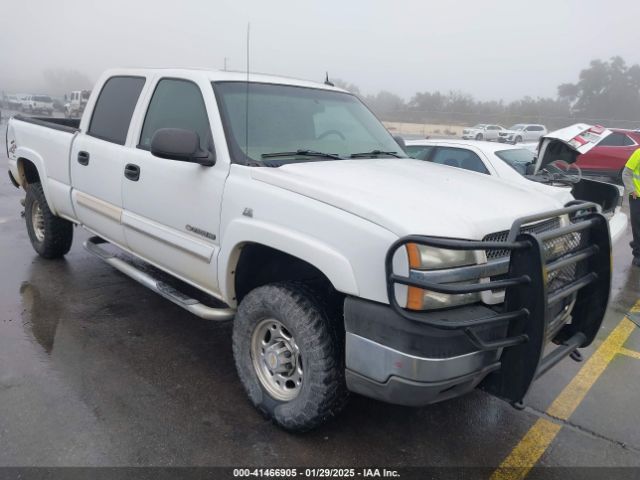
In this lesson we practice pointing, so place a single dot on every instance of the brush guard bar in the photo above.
(530, 305)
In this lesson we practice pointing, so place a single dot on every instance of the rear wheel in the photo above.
(50, 236)
(289, 354)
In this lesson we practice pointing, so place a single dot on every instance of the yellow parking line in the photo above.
(535, 442)
(528, 451)
(573, 394)
(629, 353)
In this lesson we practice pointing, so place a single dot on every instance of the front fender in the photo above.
(325, 258)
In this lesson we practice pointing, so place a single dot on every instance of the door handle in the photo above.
(83, 158)
(132, 172)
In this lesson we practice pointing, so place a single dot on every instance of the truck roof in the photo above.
(217, 76)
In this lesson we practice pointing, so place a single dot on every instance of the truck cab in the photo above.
(286, 207)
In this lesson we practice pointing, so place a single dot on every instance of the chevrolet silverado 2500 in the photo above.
(286, 207)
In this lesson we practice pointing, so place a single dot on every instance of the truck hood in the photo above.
(408, 196)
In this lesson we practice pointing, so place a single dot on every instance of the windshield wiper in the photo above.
(373, 153)
(301, 153)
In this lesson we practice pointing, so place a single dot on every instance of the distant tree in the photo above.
(605, 90)
(384, 103)
(428, 101)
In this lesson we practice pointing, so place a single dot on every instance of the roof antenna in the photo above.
(326, 80)
(246, 112)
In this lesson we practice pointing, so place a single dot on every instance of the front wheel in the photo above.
(479, 136)
(518, 140)
(289, 353)
(50, 236)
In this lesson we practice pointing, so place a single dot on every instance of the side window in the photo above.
(114, 108)
(176, 104)
(460, 158)
(420, 152)
(616, 140)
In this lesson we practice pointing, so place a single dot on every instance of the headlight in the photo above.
(425, 258)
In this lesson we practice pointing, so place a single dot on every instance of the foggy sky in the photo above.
(491, 49)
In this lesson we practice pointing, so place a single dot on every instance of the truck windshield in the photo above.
(298, 124)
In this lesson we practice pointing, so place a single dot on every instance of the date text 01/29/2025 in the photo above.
(315, 472)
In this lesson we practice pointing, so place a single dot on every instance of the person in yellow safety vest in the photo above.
(631, 180)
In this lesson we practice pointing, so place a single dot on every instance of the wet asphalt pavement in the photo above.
(95, 370)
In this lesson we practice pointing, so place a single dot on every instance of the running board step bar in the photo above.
(167, 291)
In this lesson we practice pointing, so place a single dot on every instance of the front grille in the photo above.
(539, 227)
(554, 248)
(557, 248)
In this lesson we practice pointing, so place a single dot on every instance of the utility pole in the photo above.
(225, 64)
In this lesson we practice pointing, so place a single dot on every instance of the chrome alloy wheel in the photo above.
(37, 221)
(276, 360)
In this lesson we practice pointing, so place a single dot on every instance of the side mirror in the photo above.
(181, 145)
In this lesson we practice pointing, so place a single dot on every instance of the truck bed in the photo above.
(47, 143)
(70, 125)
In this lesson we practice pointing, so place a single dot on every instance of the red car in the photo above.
(610, 155)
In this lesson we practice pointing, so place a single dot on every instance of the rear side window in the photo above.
(176, 104)
(421, 152)
(114, 108)
(460, 158)
(616, 140)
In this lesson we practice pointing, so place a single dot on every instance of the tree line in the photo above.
(606, 92)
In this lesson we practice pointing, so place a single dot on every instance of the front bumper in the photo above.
(400, 361)
(416, 358)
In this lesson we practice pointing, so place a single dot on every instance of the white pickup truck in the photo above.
(286, 207)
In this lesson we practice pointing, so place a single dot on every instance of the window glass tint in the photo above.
(616, 140)
(418, 151)
(177, 104)
(42, 98)
(114, 108)
(517, 158)
(460, 158)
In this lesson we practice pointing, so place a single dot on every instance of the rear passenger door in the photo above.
(533, 133)
(492, 132)
(98, 157)
(463, 158)
(172, 210)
